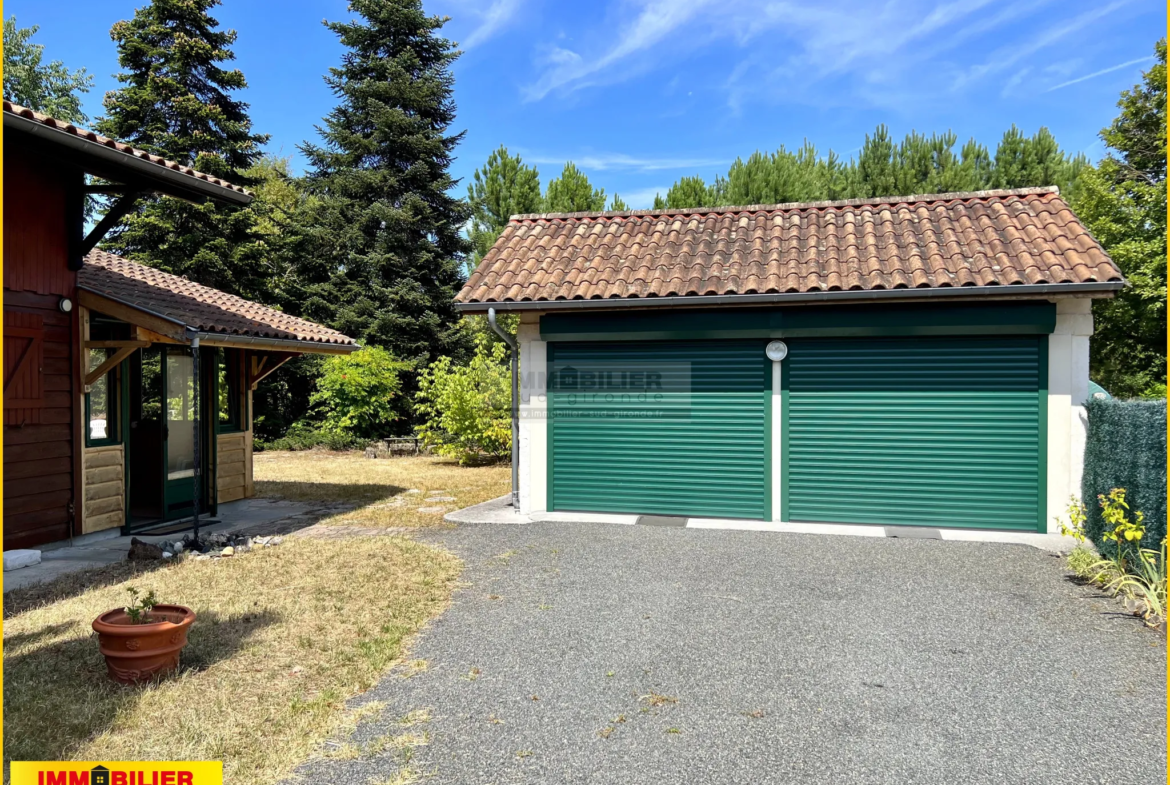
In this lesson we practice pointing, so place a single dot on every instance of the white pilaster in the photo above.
(1068, 388)
(533, 416)
(777, 443)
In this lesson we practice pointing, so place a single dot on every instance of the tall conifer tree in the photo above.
(176, 101)
(385, 260)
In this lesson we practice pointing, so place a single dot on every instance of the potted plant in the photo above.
(142, 640)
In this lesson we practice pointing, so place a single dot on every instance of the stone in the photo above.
(179, 547)
(430, 510)
(228, 551)
(143, 551)
(168, 555)
(277, 540)
(21, 557)
(412, 490)
(440, 498)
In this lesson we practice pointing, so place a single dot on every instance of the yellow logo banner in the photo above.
(117, 773)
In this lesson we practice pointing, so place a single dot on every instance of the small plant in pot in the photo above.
(142, 640)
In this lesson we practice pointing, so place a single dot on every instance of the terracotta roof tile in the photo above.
(105, 141)
(980, 239)
(194, 305)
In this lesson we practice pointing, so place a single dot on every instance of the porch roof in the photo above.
(181, 309)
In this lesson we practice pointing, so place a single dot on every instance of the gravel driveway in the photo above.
(638, 654)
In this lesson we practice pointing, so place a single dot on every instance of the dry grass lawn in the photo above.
(381, 487)
(284, 637)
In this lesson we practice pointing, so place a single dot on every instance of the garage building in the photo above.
(912, 361)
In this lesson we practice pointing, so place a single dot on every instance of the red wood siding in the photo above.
(40, 440)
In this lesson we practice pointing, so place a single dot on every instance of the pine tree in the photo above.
(876, 165)
(616, 204)
(504, 187)
(572, 193)
(176, 102)
(688, 192)
(384, 250)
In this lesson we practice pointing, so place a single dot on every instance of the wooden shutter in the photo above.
(24, 361)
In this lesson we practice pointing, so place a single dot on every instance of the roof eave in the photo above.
(159, 178)
(185, 333)
(1012, 292)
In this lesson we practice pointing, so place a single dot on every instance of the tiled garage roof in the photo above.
(982, 240)
(194, 305)
(105, 141)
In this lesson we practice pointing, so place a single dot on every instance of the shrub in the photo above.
(1081, 561)
(303, 436)
(466, 409)
(1126, 448)
(357, 393)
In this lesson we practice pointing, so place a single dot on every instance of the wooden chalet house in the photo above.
(111, 368)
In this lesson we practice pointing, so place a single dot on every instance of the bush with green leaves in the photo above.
(358, 393)
(465, 410)
(308, 436)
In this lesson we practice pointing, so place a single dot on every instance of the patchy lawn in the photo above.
(390, 491)
(284, 636)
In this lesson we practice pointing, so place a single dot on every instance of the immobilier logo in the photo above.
(117, 773)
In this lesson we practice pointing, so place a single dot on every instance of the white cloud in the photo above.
(1102, 72)
(643, 198)
(492, 20)
(571, 70)
(620, 161)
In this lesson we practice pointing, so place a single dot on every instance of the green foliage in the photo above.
(50, 87)
(1126, 448)
(381, 250)
(688, 192)
(359, 393)
(616, 204)
(466, 409)
(502, 188)
(572, 193)
(176, 101)
(307, 436)
(1138, 574)
(140, 606)
(1123, 203)
(1081, 561)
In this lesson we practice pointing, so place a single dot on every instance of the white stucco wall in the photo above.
(1068, 388)
(533, 423)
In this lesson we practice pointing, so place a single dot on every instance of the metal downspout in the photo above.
(198, 476)
(515, 406)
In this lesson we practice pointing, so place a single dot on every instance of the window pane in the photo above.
(226, 391)
(99, 398)
(180, 415)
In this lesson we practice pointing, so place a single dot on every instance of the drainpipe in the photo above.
(197, 477)
(515, 406)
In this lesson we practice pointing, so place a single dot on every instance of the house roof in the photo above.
(200, 308)
(114, 158)
(1023, 241)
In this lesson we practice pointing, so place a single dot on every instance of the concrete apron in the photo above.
(500, 511)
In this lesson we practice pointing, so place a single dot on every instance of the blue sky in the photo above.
(639, 94)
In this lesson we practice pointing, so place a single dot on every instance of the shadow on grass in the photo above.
(72, 584)
(57, 696)
(329, 492)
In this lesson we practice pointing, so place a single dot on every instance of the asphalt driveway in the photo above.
(637, 654)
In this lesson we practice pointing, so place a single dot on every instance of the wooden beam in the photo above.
(110, 363)
(281, 359)
(116, 344)
(127, 313)
(150, 336)
(118, 211)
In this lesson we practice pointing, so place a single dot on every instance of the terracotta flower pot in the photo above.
(137, 652)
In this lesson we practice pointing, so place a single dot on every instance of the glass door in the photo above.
(180, 431)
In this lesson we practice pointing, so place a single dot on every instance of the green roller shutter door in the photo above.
(916, 431)
(701, 450)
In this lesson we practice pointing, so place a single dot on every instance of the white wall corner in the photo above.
(1060, 420)
(533, 448)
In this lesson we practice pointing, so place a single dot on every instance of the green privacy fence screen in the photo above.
(1126, 448)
